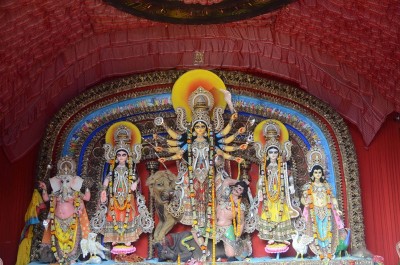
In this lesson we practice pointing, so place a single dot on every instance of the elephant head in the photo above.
(66, 182)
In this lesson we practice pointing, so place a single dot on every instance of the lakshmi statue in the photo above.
(276, 209)
(127, 216)
(201, 136)
(321, 209)
(67, 223)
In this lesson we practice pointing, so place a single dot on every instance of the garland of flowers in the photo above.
(72, 228)
(192, 194)
(266, 194)
(210, 208)
(275, 197)
(127, 205)
(214, 234)
(235, 227)
(191, 189)
(316, 234)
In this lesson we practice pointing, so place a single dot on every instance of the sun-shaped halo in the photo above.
(192, 80)
(136, 137)
(259, 135)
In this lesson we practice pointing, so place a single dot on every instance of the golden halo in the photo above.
(259, 136)
(189, 82)
(136, 137)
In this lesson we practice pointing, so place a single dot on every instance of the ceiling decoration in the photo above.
(198, 11)
(346, 53)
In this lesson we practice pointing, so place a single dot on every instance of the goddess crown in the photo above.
(122, 137)
(66, 171)
(201, 102)
(315, 156)
(271, 132)
(66, 166)
(125, 136)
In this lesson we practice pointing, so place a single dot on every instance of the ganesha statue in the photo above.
(67, 222)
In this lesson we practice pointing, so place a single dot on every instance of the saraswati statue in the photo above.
(199, 98)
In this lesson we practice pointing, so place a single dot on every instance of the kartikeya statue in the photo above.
(321, 209)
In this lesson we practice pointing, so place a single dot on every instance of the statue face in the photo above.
(200, 128)
(122, 157)
(273, 153)
(317, 174)
(237, 190)
(66, 186)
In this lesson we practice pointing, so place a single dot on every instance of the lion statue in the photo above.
(162, 188)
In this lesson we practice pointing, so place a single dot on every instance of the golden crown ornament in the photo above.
(201, 102)
(271, 132)
(66, 166)
(122, 137)
(315, 156)
(122, 141)
(66, 173)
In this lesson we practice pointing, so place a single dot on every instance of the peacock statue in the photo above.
(300, 243)
(344, 243)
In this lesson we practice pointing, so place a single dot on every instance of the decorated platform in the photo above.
(257, 261)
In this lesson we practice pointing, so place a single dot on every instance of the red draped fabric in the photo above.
(379, 167)
(17, 182)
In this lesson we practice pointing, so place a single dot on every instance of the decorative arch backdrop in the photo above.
(379, 167)
(78, 130)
